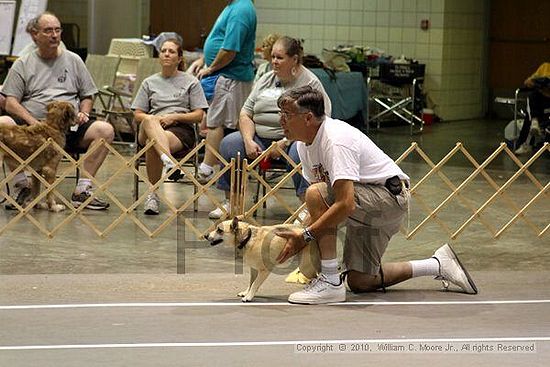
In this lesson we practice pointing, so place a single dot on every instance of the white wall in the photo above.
(452, 48)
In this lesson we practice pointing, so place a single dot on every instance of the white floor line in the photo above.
(271, 343)
(267, 304)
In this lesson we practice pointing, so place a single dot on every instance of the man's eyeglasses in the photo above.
(286, 115)
(50, 31)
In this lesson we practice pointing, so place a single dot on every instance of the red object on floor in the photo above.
(427, 116)
(265, 164)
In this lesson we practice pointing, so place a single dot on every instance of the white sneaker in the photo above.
(218, 212)
(524, 148)
(319, 291)
(152, 204)
(451, 270)
(168, 165)
(204, 177)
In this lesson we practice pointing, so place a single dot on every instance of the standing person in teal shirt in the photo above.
(227, 64)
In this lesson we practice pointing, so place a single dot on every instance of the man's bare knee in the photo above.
(313, 195)
(149, 121)
(101, 130)
(6, 121)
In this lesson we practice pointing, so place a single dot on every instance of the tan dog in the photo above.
(25, 140)
(261, 246)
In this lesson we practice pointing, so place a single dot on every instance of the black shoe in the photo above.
(176, 175)
(23, 194)
(95, 204)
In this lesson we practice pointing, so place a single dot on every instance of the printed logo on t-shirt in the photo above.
(63, 76)
(321, 174)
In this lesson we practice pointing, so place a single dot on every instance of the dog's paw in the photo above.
(247, 298)
(56, 208)
(243, 293)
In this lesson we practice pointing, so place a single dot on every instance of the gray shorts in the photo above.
(229, 98)
(377, 217)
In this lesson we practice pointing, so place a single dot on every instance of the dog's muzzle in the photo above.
(213, 242)
(216, 242)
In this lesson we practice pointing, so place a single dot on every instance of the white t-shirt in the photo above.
(342, 152)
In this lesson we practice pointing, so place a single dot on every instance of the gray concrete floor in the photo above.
(127, 299)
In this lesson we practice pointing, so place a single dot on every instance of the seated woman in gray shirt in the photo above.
(259, 121)
(166, 106)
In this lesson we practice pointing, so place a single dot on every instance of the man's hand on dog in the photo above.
(294, 244)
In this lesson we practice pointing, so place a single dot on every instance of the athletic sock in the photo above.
(329, 268)
(166, 161)
(425, 267)
(82, 185)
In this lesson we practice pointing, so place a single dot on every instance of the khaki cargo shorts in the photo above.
(377, 217)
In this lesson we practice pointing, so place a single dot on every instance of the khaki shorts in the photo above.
(229, 98)
(377, 217)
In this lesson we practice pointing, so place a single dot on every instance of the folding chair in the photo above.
(177, 175)
(103, 70)
(405, 107)
(269, 170)
(518, 105)
(118, 107)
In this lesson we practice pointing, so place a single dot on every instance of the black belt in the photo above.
(395, 185)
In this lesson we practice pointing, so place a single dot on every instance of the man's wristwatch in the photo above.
(85, 114)
(307, 235)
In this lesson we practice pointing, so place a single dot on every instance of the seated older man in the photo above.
(52, 73)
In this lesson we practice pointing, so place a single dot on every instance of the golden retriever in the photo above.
(25, 140)
(261, 246)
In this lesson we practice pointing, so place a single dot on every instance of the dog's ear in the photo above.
(55, 113)
(234, 224)
(70, 115)
(52, 107)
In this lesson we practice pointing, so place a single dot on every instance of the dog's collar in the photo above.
(243, 241)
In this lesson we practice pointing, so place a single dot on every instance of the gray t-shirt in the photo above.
(261, 104)
(181, 93)
(35, 81)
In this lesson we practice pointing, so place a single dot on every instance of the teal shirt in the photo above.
(234, 30)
